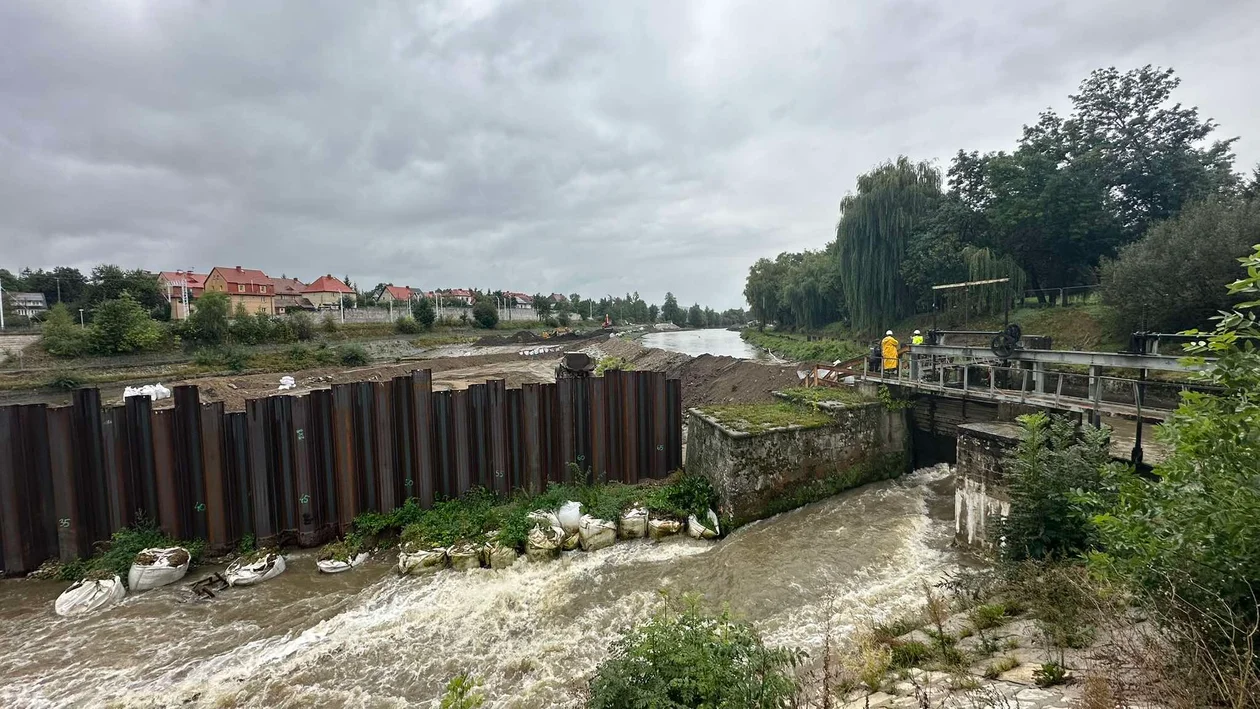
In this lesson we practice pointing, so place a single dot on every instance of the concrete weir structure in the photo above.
(759, 474)
(980, 492)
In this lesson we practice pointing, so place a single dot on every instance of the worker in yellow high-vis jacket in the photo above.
(917, 339)
(888, 347)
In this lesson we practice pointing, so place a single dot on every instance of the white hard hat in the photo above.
(916, 332)
(888, 333)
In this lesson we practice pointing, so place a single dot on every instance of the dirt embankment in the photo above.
(707, 379)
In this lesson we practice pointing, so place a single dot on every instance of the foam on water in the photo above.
(534, 633)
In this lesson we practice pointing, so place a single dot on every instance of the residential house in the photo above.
(520, 301)
(456, 296)
(174, 284)
(26, 304)
(244, 286)
(326, 292)
(558, 298)
(399, 295)
(290, 295)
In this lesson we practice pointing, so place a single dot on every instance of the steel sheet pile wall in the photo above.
(298, 469)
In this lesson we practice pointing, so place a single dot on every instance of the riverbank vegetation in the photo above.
(798, 348)
(1130, 190)
(116, 556)
(478, 514)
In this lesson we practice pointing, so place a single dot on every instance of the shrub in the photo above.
(463, 692)
(352, 355)
(424, 313)
(607, 363)
(208, 323)
(121, 326)
(1046, 520)
(1000, 665)
(694, 659)
(485, 314)
(303, 326)
(1175, 277)
(407, 325)
(1189, 543)
(988, 616)
(1049, 674)
(329, 324)
(563, 319)
(64, 381)
(688, 494)
(62, 336)
(122, 549)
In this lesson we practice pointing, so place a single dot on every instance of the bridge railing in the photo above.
(1093, 392)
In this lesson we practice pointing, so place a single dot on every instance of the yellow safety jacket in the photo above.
(916, 340)
(888, 346)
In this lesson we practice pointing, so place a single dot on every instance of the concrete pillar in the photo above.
(1039, 377)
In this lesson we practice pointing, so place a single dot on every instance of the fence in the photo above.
(298, 469)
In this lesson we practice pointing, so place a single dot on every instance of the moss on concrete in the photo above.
(756, 418)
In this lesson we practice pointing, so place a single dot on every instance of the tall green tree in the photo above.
(671, 312)
(876, 224)
(695, 316)
(1151, 151)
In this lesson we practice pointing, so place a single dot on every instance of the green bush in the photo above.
(694, 659)
(121, 326)
(329, 324)
(64, 381)
(230, 357)
(688, 494)
(1052, 460)
(352, 355)
(485, 314)
(208, 324)
(303, 326)
(122, 549)
(988, 616)
(407, 325)
(62, 336)
(463, 691)
(424, 313)
(1189, 542)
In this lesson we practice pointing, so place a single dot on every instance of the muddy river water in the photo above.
(698, 342)
(534, 633)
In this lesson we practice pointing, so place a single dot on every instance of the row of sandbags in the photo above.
(154, 568)
(563, 530)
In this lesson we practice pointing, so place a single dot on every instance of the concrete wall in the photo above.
(980, 492)
(761, 474)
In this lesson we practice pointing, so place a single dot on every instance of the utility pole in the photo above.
(58, 289)
(1, 306)
(81, 323)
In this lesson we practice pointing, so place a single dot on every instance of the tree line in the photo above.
(1072, 204)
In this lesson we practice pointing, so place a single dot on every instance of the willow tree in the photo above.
(985, 265)
(871, 239)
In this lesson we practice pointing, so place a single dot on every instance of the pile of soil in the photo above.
(521, 337)
(707, 379)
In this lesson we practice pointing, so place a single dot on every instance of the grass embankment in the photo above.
(478, 515)
(797, 348)
(801, 409)
(819, 394)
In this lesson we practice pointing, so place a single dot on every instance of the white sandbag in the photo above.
(570, 516)
(571, 541)
(658, 528)
(153, 391)
(596, 533)
(255, 568)
(157, 567)
(464, 556)
(286, 382)
(544, 543)
(335, 566)
(87, 595)
(707, 529)
(498, 556)
(633, 523)
(421, 561)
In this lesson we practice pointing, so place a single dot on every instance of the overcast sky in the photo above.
(590, 146)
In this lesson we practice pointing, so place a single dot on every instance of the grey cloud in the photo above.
(596, 147)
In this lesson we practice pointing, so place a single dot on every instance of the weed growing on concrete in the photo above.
(1000, 665)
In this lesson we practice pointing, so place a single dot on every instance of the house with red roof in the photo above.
(173, 285)
(289, 295)
(456, 296)
(326, 291)
(400, 295)
(249, 287)
(520, 301)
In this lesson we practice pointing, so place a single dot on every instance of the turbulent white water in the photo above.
(534, 633)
